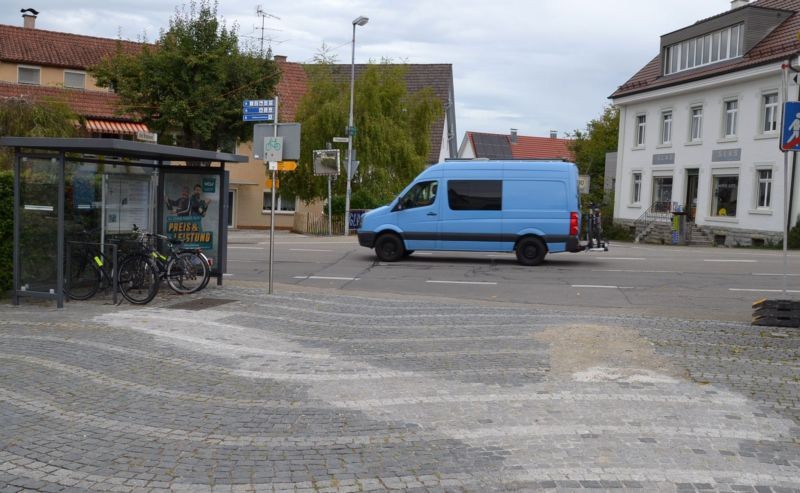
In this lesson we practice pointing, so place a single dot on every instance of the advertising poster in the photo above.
(191, 210)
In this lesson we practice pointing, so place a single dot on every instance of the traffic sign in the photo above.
(273, 149)
(258, 117)
(790, 134)
(326, 162)
(341, 139)
(258, 110)
(287, 165)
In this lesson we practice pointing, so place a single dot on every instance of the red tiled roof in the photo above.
(778, 45)
(56, 49)
(541, 148)
(291, 88)
(528, 147)
(85, 103)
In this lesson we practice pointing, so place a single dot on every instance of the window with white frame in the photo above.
(666, 127)
(730, 116)
(725, 195)
(636, 192)
(769, 112)
(284, 202)
(74, 80)
(29, 75)
(764, 189)
(641, 128)
(710, 48)
(696, 125)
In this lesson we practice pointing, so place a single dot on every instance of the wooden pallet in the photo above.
(776, 313)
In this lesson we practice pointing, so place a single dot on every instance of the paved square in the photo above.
(316, 391)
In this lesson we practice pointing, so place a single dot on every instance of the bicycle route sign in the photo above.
(273, 149)
(258, 110)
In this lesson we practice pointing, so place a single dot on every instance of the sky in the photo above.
(532, 65)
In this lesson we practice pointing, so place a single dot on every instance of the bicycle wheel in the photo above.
(187, 273)
(82, 277)
(138, 279)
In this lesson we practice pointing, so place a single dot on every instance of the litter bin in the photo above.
(679, 227)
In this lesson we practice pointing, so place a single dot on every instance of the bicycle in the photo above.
(140, 274)
(88, 268)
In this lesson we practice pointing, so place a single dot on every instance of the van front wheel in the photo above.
(389, 248)
(530, 251)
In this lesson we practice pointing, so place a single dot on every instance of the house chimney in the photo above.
(29, 18)
(280, 58)
(735, 4)
(513, 135)
(553, 134)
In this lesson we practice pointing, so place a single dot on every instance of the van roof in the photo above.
(503, 165)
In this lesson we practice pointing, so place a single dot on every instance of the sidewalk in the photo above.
(312, 390)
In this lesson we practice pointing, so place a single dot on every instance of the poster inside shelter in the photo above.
(191, 209)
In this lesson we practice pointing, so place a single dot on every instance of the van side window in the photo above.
(475, 195)
(420, 195)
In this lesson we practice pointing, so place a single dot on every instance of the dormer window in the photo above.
(714, 47)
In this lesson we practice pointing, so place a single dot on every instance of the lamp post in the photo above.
(358, 21)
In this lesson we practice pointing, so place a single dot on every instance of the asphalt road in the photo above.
(686, 282)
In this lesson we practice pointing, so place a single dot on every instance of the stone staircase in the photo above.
(660, 233)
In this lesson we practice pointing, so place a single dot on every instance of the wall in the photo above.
(50, 76)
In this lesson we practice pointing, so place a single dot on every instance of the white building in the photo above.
(700, 125)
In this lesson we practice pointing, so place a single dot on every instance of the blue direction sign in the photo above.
(790, 134)
(254, 110)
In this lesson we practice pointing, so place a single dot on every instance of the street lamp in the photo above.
(358, 21)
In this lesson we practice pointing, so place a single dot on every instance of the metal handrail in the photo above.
(658, 212)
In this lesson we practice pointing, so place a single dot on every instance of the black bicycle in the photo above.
(140, 274)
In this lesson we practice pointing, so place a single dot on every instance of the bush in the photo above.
(794, 235)
(6, 230)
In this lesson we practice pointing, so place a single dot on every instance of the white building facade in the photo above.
(700, 129)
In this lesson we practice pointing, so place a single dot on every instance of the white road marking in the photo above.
(307, 250)
(638, 271)
(776, 274)
(600, 286)
(623, 258)
(462, 282)
(328, 278)
(227, 275)
(744, 261)
(244, 248)
(764, 290)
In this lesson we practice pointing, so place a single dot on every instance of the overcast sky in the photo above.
(533, 65)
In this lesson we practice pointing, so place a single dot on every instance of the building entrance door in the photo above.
(662, 194)
(692, 179)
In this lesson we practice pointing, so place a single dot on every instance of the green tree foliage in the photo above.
(392, 139)
(189, 86)
(591, 145)
(21, 118)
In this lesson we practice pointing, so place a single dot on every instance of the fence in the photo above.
(317, 224)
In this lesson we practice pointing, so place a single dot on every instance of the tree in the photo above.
(190, 85)
(393, 132)
(20, 117)
(591, 145)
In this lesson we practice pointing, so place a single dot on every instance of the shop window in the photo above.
(725, 194)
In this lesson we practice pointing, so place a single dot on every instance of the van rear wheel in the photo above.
(389, 248)
(531, 251)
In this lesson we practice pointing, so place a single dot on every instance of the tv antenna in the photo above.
(261, 13)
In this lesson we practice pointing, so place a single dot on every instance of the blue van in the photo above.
(527, 207)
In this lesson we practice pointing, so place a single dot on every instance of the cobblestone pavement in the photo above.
(317, 391)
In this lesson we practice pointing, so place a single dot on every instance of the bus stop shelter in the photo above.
(69, 190)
